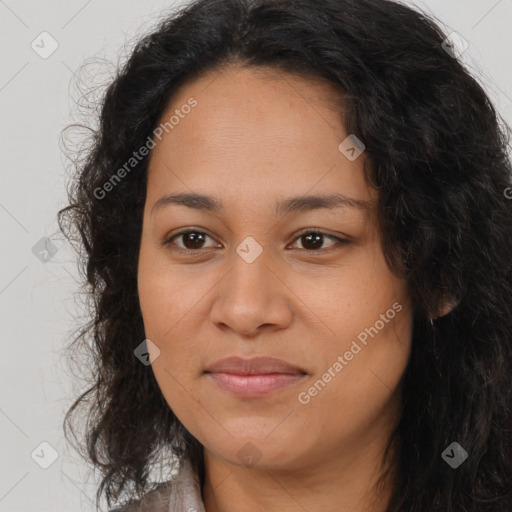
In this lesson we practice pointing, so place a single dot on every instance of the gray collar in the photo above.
(180, 494)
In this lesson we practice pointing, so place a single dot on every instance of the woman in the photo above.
(298, 242)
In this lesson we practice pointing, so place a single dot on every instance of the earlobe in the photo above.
(447, 306)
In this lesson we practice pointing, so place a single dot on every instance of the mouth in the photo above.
(254, 378)
(254, 386)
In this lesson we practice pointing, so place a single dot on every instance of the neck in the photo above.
(346, 480)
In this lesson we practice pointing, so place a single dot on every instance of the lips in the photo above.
(254, 366)
(254, 378)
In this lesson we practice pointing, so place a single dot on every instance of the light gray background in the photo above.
(39, 300)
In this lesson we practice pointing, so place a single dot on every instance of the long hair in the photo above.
(438, 156)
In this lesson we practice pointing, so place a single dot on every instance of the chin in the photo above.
(259, 452)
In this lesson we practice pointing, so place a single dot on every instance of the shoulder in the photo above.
(157, 500)
(182, 492)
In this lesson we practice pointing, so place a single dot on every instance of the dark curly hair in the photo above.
(437, 152)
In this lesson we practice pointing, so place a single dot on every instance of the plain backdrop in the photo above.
(40, 307)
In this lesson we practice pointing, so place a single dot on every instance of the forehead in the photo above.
(255, 131)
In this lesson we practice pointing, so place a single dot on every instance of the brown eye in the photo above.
(314, 240)
(192, 240)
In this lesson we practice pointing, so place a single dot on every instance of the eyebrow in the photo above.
(293, 204)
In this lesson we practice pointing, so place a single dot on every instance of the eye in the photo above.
(192, 239)
(314, 239)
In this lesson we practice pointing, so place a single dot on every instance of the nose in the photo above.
(252, 297)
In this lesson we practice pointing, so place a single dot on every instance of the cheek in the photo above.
(166, 297)
(359, 394)
(172, 323)
(368, 323)
(352, 297)
(169, 321)
(170, 302)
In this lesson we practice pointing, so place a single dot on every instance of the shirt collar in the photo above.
(185, 493)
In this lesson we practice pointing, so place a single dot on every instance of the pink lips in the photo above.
(253, 378)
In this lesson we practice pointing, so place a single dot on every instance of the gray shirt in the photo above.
(181, 494)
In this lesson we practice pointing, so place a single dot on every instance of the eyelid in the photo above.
(326, 234)
(191, 229)
(341, 240)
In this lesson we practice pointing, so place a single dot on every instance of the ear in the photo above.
(448, 304)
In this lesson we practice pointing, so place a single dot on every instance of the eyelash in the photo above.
(343, 241)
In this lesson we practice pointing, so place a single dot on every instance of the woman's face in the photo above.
(303, 281)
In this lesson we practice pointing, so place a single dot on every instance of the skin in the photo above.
(258, 136)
